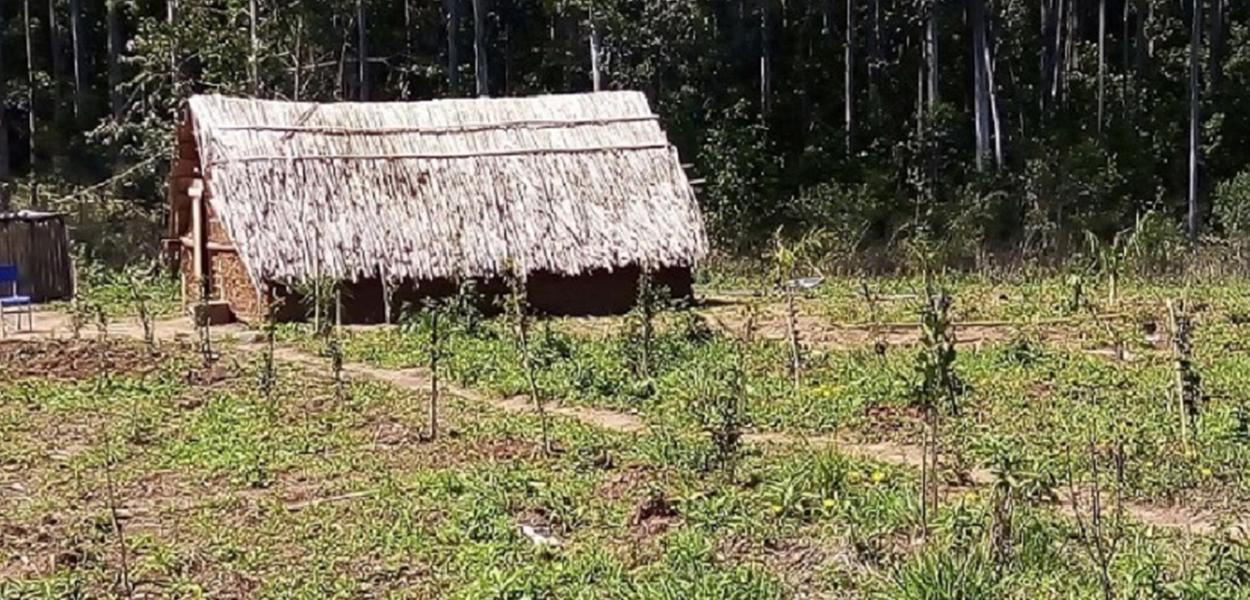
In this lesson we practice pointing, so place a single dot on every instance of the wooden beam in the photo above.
(451, 155)
(187, 242)
(440, 129)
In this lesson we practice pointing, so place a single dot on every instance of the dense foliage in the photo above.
(998, 133)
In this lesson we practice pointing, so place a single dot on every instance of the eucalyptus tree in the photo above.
(481, 69)
(76, 33)
(988, 127)
(57, 60)
(1102, 63)
(596, 76)
(848, 76)
(362, 52)
(1193, 218)
(5, 174)
(253, 59)
(451, 16)
(30, 94)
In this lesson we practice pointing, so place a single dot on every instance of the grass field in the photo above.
(124, 472)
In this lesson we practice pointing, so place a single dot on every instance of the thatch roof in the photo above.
(446, 188)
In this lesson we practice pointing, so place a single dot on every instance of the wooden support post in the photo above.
(199, 232)
(338, 308)
(386, 295)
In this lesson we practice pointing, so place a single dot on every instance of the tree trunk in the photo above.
(595, 76)
(874, 45)
(58, 60)
(481, 67)
(931, 54)
(1058, 54)
(996, 127)
(5, 189)
(76, 41)
(253, 59)
(984, 112)
(1069, 61)
(1141, 46)
(30, 96)
(1124, 39)
(409, 53)
(362, 53)
(1044, 12)
(1102, 62)
(114, 18)
(451, 10)
(1195, 118)
(848, 60)
(298, 84)
(171, 18)
(766, 57)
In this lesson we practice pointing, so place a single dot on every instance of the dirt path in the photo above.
(1178, 518)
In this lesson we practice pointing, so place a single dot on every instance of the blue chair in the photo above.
(10, 298)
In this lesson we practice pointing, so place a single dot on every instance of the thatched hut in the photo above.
(37, 243)
(397, 200)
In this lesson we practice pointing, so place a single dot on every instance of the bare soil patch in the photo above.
(75, 359)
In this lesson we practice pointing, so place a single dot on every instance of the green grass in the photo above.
(211, 473)
(1037, 396)
(229, 492)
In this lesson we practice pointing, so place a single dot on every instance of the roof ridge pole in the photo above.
(461, 155)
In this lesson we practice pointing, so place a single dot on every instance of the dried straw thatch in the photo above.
(446, 188)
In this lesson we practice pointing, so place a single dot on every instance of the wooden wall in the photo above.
(40, 249)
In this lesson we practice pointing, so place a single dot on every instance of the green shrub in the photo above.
(1232, 205)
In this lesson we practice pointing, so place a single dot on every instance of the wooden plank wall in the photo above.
(40, 249)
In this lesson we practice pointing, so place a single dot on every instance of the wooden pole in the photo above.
(387, 292)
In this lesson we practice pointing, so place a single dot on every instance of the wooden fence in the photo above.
(38, 243)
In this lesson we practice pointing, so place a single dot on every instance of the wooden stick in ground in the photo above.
(115, 521)
(268, 376)
(435, 352)
(1184, 377)
(336, 343)
(516, 285)
(646, 299)
(792, 328)
(203, 322)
